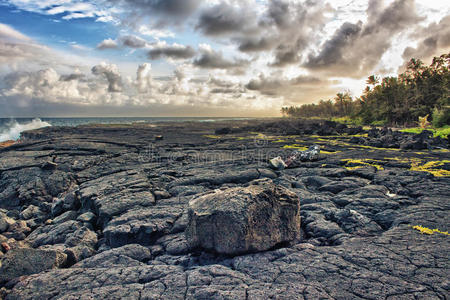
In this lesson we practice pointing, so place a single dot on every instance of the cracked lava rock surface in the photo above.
(101, 212)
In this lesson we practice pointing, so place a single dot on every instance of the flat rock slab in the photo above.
(243, 220)
(24, 261)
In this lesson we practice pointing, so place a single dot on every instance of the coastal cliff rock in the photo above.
(242, 220)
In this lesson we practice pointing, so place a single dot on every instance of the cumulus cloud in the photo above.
(112, 75)
(130, 41)
(43, 84)
(108, 44)
(174, 51)
(144, 78)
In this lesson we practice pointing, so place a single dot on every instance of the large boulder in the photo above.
(24, 261)
(244, 219)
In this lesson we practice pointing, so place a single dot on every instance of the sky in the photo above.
(217, 58)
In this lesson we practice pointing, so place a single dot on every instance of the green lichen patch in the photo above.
(211, 136)
(432, 167)
(353, 164)
(428, 231)
(295, 146)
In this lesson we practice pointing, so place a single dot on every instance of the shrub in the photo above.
(441, 117)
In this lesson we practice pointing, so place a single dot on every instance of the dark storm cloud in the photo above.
(171, 51)
(287, 28)
(397, 16)
(252, 44)
(272, 83)
(214, 60)
(303, 88)
(133, 41)
(334, 49)
(356, 49)
(170, 7)
(224, 18)
(130, 41)
(167, 7)
(286, 55)
(280, 12)
(434, 39)
(71, 77)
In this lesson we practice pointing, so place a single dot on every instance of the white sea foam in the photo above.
(14, 129)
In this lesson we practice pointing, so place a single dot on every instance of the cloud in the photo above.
(263, 83)
(329, 40)
(43, 84)
(159, 12)
(210, 59)
(133, 41)
(144, 80)
(169, 7)
(356, 48)
(18, 50)
(70, 9)
(433, 41)
(46, 92)
(174, 51)
(155, 33)
(112, 75)
(287, 28)
(296, 90)
(220, 82)
(9, 33)
(130, 41)
(226, 18)
(334, 50)
(108, 44)
(70, 77)
(255, 44)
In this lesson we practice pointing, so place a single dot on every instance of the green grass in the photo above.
(348, 121)
(378, 123)
(442, 132)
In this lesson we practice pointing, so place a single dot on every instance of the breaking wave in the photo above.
(13, 129)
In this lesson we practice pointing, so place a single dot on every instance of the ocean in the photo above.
(10, 129)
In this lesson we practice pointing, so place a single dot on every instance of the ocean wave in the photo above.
(14, 129)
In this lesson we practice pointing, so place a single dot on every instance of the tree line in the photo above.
(418, 92)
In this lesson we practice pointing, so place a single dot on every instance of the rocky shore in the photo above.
(193, 211)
